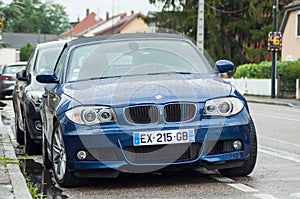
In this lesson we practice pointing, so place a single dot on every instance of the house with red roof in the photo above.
(102, 25)
(82, 26)
(120, 23)
(127, 24)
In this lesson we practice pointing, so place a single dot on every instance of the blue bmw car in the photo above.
(142, 103)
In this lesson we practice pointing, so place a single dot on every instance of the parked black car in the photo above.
(27, 95)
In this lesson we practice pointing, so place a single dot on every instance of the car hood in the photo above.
(158, 89)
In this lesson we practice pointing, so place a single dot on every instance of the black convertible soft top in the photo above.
(129, 36)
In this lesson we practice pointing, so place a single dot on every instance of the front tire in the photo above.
(248, 164)
(31, 148)
(19, 133)
(63, 176)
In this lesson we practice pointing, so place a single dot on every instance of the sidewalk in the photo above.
(274, 101)
(12, 182)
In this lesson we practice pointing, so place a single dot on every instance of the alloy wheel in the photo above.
(59, 155)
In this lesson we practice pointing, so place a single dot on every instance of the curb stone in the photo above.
(17, 180)
(273, 103)
(276, 101)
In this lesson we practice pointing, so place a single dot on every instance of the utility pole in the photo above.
(1, 26)
(200, 25)
(274, 52)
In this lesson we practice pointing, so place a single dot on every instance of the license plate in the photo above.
(163, 137)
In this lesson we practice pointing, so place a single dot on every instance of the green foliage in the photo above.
(246, 70)
(34, 190)
(290, 70)
(235, 30)
(26, 51)
(176, 15)
(33, 16)
(5, 161)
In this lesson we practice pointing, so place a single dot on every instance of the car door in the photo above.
(17, 96)
(52, 97)
(19, 90)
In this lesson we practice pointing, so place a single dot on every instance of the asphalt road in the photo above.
(277, 173)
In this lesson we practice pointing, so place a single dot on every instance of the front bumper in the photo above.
(33, 121)
(111, 146)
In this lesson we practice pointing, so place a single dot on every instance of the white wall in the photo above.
(253, 86)
(7, 56)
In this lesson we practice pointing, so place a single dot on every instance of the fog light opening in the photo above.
(81, 155)
(38, 125)
(237, 145)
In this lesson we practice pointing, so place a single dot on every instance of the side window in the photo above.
(61, 62)
(298, 25)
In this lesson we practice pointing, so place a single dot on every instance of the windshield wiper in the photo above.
(94, 78)
(171, 72)
(119, 76)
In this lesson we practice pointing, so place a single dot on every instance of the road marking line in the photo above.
(243, 187)
(215, 175)
(276, 117)
(220, 178)
(279, 153)
(265, 196)
(280, 141)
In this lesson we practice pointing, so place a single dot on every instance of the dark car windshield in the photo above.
(128, 58)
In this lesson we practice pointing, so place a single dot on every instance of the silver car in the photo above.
(8, 77)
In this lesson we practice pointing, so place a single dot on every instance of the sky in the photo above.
(77, 8)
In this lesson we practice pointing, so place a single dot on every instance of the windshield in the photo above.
(13, 69)
(46, 59)
(130, 58)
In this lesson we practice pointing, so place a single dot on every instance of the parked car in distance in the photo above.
(141, 103)
(8, 77)
(27, 95)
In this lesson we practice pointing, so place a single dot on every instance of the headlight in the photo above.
(223, 107)
(90, 115)
(35, 96)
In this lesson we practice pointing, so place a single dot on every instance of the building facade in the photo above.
(290, 28)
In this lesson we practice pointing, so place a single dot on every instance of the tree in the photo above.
(33, 16)
(169, 4)
(235, 30)
(179, 16)
(26, 51)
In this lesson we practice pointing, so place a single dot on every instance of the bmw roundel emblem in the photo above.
(158, 97)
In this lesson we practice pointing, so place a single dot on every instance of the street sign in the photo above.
(274, 41)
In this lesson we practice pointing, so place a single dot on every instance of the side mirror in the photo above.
(47, 77)
(223, 66)
(21, 75)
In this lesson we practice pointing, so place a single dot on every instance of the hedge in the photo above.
(263, 70)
